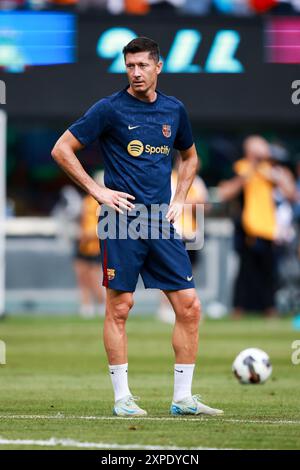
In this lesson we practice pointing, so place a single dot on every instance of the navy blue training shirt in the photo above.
(136, 139)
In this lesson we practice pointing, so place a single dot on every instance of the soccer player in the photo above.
(137, 128)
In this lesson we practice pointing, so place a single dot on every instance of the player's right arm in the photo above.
(64, 153)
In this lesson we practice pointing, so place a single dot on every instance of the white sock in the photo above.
(183, 377)
(119, 378)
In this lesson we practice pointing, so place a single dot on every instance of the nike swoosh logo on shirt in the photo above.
(132, 127)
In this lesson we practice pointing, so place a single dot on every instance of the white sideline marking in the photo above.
(53, 441)
(178, 419)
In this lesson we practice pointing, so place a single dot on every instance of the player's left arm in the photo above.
(186, 173)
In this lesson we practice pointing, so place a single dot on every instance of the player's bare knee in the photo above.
(191, 311)
(197, 307)
(119, 311)
(194, 311)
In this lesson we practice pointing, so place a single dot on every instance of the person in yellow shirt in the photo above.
(64, 2)
(87, 262)
(256, 228)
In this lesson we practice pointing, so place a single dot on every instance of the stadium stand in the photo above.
(142, 7)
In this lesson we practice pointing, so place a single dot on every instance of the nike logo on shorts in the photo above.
(132, 127)
(189, 278)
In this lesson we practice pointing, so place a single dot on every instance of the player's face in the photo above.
(142, 72)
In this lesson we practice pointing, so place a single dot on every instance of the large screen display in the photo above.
(34, 39)
(219, 67)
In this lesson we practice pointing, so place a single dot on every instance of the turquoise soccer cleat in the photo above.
(193, 406)
(127, 407)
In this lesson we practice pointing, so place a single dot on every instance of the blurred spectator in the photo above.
(262, 6)
(284, 194)
(87, 262)
(142, 7)
(232, 7)
(10, 210)
(11, 4)
(95, 4)
(68, 208)
(297, 201)
(137, 7)
(287, 266)
(297, 204)
(130, 7)
(256, 228)
(115, 7)
(37, 4)
(196, 7)
(173, 3)
(296, 5)
(186, 227)
(62, 3)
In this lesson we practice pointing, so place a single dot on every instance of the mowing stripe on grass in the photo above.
(53, 442)
(178, 419)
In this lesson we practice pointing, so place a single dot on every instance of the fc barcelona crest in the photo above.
(111, 274)
(166, 130)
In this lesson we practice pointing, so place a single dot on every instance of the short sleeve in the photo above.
(94, 122)
(184, 137)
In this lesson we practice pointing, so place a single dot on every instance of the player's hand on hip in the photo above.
(116, 199)
(174, 211)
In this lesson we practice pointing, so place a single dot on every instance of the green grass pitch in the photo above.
(56, 373)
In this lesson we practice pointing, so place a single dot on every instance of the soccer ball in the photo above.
(252, 366)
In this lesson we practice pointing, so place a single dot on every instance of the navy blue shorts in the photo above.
(162, 262)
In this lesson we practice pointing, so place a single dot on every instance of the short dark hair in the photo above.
(142, 44)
